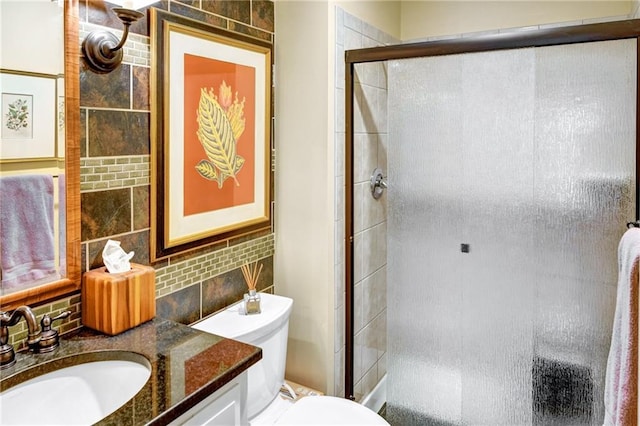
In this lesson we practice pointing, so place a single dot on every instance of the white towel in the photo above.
(621, 381)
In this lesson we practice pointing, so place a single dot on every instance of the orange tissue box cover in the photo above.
(113, 303)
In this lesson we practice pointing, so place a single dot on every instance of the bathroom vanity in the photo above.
(194, 375)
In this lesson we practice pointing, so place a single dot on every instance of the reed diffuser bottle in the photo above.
(252, 303)
(252, 299)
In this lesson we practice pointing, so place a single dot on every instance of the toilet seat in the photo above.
(329, 410)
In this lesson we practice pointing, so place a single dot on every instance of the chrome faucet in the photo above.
(7, 353)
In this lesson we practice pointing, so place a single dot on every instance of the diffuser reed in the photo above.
(251, 274)
(251, 300)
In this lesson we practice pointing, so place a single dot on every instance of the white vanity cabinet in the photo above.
(227, 406)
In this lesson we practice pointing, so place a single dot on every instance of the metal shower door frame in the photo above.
(535, 38)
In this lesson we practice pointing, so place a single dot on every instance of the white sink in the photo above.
(82, 393)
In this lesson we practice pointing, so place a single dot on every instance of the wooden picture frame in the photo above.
(28, 126)
(211, 134)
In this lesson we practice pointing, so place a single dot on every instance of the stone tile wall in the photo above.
(115, 170)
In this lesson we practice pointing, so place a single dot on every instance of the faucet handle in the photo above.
(7, 354)
(49, 338)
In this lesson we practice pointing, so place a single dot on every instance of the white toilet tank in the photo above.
(269, 331)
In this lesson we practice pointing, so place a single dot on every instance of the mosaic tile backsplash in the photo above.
(115, 170)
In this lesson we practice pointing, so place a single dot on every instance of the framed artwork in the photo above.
(28, 127)
(211, 134)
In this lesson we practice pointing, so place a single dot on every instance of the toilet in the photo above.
(269, 330)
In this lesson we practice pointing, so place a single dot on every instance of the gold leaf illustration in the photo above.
(235, 114)
(207, 170)
(224, 97)
(239, 163)
(216, 136)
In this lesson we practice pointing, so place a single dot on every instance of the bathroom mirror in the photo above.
(65, 16)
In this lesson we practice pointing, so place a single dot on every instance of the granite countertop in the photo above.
(187, 365)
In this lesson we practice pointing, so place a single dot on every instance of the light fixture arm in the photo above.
(102, 50)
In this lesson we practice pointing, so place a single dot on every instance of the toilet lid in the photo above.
(329, 410)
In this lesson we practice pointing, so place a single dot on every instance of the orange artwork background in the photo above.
(202, 195)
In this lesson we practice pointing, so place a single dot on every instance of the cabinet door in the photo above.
(224, 407)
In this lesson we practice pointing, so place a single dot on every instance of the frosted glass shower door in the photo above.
(512, 176)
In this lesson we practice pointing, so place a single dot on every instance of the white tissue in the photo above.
(115, 259)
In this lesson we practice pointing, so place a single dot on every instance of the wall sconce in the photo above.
(102, 50)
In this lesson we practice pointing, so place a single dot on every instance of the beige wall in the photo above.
(410, 19)
(303, 260)
(44, 41)
(421, 19)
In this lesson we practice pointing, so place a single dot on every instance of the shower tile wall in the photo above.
(370, 142)
(635, 10)
(370, 151)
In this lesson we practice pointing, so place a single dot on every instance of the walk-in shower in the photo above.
(512, 173)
